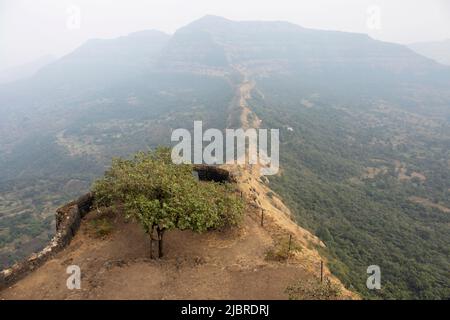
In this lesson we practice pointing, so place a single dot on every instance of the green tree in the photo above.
(162, 196)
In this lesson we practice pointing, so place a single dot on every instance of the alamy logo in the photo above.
(373, 21)
(74, 280)
(73, 21)
(374, 280)
(240, 146)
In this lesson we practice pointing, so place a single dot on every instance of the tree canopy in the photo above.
(162, 195)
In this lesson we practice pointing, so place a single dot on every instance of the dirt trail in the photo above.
(248, 119)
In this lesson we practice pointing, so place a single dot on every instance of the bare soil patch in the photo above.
(227, 264)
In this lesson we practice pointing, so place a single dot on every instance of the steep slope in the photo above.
(100, 62)
(438, 50)
(96, 65)
(26, 70)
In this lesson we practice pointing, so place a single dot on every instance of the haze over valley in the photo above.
(364, 135)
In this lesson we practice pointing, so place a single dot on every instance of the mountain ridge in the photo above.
(336, 98)
(436, 50)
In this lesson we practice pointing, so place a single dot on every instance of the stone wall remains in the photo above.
(68, 219)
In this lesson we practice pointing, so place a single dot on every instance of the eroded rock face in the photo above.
(68, 219)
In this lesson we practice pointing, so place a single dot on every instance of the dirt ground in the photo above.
(216, 265)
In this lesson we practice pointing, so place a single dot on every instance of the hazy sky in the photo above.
(32, 28)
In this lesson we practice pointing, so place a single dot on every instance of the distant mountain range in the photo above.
(218, 42)
(26, 70)
(214, 45)
(437, 50)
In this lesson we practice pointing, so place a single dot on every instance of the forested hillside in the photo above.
(365, 135)
(372, 181)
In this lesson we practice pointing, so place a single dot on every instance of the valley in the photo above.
(364, 150)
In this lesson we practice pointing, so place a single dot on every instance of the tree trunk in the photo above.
(160, 241)
(151, 246)
(160, 247)
(152, 231)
